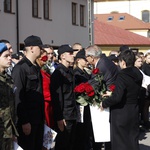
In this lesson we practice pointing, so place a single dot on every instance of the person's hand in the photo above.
(14, 138)
(26, 128)
(61, 124)
(107, 94)
(101, 107)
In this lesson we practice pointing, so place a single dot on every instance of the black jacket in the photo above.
(80, 76)
(28, 95)
(108, 69)
(63, 98)
(128, 84)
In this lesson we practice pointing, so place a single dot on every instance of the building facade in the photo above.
(129, 15)
(57, 22)
(137, 8)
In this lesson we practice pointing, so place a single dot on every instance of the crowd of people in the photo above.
(37, 88)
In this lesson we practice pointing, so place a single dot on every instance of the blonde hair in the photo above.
(75, 63)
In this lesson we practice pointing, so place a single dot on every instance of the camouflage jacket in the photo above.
(7, 106)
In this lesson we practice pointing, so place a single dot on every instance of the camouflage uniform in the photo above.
(7, 113)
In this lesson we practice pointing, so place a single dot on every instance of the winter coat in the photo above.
(125, 109)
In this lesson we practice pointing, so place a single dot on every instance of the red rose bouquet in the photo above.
(91, 92)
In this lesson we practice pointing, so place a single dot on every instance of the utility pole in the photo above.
(17, 25)
(90, 21)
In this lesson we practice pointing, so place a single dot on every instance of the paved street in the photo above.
(144, 139)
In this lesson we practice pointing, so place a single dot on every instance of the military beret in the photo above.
(3, 47)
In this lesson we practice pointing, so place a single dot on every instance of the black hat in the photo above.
(15, 56)
(81, 54)
(64, 48)
(113, 57)
(123, 48)
(20, 54)
(33, 41)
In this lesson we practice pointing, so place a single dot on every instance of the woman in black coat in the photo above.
(124, 104)
(84, 128)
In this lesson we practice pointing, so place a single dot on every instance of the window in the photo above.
(35, 8)
(82, 15)
(122, 18)
(146, 15)
(7, 6)
(74, 13)
(47, 9)
(110, 18)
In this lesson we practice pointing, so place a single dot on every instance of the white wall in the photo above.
(133, 8)
(60, 30)
(142, 32)
(8, 25)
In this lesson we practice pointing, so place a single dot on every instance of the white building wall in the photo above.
(142, 32)
(8, 25)
(55, 32)
(131, 7)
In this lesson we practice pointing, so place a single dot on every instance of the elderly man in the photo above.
(108, 69)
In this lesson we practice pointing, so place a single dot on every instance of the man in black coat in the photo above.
(29, 96)
(108, 69)
(63, 99)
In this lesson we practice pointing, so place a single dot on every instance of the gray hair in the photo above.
(93, 50)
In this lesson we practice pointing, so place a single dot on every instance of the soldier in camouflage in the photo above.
(7, 113)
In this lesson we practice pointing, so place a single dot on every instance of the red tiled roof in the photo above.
(130, 22)
(105, 34)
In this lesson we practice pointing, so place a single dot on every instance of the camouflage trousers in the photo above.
(6, 144)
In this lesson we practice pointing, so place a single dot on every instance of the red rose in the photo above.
(91, 94)
(80, 88)
(44, 58)
(112, 87)
(95, 71)
(89, 89)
